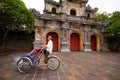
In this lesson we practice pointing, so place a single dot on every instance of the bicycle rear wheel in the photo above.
(24, 65)
(53, 63)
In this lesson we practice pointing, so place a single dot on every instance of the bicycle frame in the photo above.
(34, 57)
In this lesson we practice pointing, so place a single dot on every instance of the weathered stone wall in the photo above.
(66, 7)
(18, 41)
(70, 6)
(65, 28)
(49, 7)
(68, 18)
(113, 44)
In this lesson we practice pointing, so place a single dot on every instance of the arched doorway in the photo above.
(54, 39)
(88, 15)
(74, 42)
(70, 0)
(73, 12)
(93, 42)
(54, 10)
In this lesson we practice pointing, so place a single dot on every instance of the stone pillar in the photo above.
(39, 40)
(87, 40)
(65, 47)
(83, 9)
(105, 44)
(65, 41)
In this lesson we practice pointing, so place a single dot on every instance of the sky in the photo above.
(108, 6)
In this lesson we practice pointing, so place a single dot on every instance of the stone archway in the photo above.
(93, 43)
(54, 10)
(74, 42)
(73, 12)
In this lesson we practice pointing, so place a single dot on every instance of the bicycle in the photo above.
(25, 63)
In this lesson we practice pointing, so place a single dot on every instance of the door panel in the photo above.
(93, 43)
(55, 40)
(74, 42)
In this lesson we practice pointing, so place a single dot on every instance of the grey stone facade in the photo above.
(67, 19)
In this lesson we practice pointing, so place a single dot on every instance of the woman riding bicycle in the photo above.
(48, 49)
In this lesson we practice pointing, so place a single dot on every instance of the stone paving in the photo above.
(74, 66)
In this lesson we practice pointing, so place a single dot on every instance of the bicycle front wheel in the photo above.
(53, 63)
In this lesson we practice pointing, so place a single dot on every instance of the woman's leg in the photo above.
(46, 54)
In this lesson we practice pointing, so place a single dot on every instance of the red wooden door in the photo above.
(74, 42)
(55, 40)
(93, 43)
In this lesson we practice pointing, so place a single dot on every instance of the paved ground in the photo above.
(74, 66)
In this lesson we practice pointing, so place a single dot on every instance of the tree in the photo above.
(113, 30)
(14, 16)
(102, 17)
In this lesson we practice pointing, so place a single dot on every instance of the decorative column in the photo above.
(64, 41)
(83, 5)
(87, 40)
(105, 44)
(38, 38)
